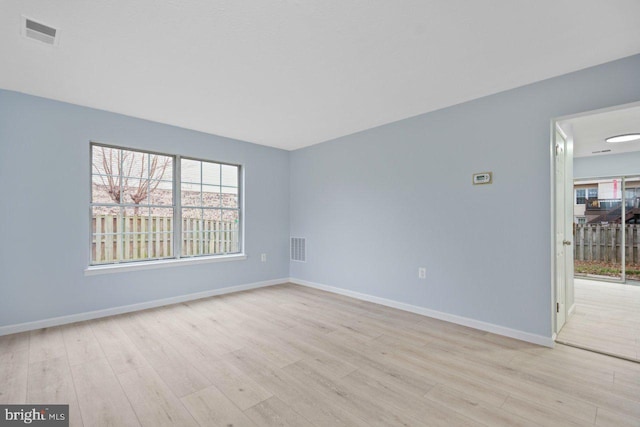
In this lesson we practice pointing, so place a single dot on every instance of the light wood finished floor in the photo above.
(292, 356)
(606, 318)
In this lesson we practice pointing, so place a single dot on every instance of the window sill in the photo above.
(150, 265)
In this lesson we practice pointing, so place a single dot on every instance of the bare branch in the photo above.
(117, 182)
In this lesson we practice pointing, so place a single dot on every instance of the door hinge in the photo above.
(557, 307)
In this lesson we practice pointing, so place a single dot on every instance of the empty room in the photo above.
(304, 213)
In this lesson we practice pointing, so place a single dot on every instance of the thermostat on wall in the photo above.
(482, 178)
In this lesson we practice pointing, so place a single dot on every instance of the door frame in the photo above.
(562, 287)
(552, 187)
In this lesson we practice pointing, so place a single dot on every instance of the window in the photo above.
(149, 206)
(584, 194)
(210, 209)
(581, 220)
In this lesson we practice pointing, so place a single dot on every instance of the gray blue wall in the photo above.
(44, 220)
(376, 205)
(607, 165)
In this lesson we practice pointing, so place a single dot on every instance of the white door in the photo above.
(560, 188)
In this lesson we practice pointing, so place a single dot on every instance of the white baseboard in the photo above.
(79, 317)
(464, 321)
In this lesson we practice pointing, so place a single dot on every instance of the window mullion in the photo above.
(177, 208)
(142, 182)
(120, 222)
(201, 222)
(240, 229)
(218, 234)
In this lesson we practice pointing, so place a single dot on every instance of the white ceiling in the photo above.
(590, 132)
(291, 73)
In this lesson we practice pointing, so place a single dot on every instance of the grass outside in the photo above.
(606, 269)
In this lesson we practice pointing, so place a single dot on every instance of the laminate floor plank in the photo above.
(274, 413)
(152, 401)
(249, 360)
(183, 379)
(236, 386)
(395, 394)
(14, 368)
(306, 400)
(454, 377)
(540, 414)
(50, 382)
(475, 409)
(607, 418)
(100, 397)
(46, 343)
(118, 348)
(376, 412)
(81, 344)
(510, 381)
(210, 407)
(14, 342)
(150, 342)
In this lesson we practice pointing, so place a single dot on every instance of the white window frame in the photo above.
(178, 259)
(179, 206)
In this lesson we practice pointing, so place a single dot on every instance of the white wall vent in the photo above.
(298, 249)
(37, 31)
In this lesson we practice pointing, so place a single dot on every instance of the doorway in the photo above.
(596, 228)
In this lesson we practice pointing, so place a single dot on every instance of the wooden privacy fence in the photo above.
(602, 243)
(127, 238)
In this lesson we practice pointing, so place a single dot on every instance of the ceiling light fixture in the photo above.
(628, 137)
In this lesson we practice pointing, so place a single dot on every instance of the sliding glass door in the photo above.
(606, 234)
(631, 271)
(598, 228)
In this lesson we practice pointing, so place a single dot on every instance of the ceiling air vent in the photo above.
(37, 31)
(298, 249)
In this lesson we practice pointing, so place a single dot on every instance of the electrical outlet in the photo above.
(263, 257)
(422, 273)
